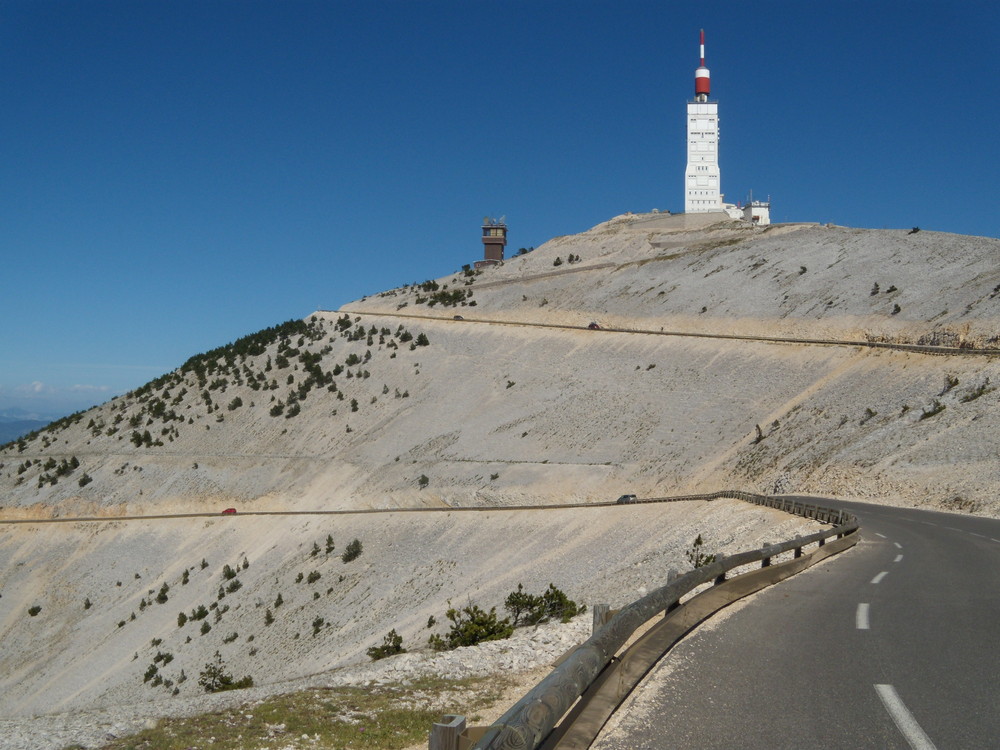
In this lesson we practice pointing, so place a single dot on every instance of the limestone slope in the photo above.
(391, 402)
(372, 407)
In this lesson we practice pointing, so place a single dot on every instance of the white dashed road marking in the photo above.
(861, 618)
(880, 576)
(898, 558)
(904, 719)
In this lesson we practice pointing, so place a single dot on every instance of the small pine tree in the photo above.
(392, 644)
(696, 557)
(214, 678)
(471, 625)
(352, 552)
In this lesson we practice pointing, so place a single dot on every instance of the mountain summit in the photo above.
(653, 355)
(486, 387)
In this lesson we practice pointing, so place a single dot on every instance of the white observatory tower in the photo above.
(702, 179)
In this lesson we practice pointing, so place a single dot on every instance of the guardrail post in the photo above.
(798, 550)
(444, 735)
(671, 575)
(766, 561)
(602, 613)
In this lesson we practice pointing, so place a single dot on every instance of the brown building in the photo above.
(494, 241)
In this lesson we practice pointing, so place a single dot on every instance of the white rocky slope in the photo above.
(87, 665)
(383, 411)
(535, 406)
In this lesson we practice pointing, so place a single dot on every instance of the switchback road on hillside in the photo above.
(892, 645)
(349, 512)
(916, 348)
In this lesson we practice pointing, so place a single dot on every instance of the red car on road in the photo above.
(229, 512)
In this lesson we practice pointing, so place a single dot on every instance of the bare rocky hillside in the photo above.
(350, 409)
(392, 402)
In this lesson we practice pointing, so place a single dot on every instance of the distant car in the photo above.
(458, 317)
(627, 500)
(229, 512)
(594, 327)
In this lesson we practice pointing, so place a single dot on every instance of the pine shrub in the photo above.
(392, 644)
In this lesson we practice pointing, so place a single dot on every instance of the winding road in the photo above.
(891, 645)
(916, 348)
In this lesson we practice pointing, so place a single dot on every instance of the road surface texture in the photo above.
(893, 644)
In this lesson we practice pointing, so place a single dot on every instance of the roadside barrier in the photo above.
(585, 672)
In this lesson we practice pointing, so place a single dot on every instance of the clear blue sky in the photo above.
(178, 174)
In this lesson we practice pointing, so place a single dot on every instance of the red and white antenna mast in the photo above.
(702, 83)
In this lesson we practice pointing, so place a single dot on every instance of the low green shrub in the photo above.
(531, 609)
(469, 626)
(392, 644)
(214, 678)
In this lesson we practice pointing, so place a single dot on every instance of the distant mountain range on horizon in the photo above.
(14, 425)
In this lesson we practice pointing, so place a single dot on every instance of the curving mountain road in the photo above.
(915, 348)
(892, 645)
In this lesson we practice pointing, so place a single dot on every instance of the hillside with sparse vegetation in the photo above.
(485, 388)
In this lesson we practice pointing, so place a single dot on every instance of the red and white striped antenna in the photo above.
(702, 83)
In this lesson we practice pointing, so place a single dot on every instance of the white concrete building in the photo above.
(702, 177)
(757, 212)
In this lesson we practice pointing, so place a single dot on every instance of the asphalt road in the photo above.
(916, 348)
(893, 644)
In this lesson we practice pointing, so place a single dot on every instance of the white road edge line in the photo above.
(880, 576)
(898, 545)
(995, 540)
(898, 558)
(904, 719)
(881, 535)
(861, 618)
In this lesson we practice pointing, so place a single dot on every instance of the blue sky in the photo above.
(178, 174)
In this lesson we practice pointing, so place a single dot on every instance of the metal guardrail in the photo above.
(528, 722)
